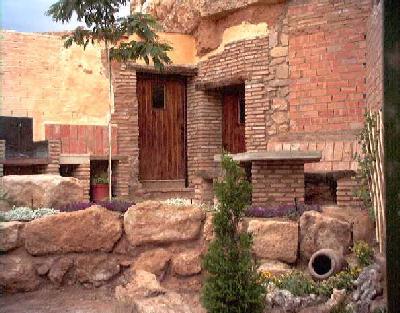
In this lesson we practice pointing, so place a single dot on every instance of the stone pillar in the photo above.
(82, 172)
(2, 156)
(346, 192)
(277, 182)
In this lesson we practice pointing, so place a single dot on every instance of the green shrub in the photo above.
(232, 284)
(364, 253)
(342, 280)
(342, 308)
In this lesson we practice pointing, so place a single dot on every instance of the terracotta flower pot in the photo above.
(99, 192)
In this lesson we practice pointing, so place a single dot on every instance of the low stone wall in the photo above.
(96, 246)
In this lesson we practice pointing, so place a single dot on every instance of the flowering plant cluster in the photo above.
(26, 214)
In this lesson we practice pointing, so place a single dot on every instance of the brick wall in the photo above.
(327, 59)
(277, 182)
(2, 155)
(375, 58)
(54, 151)
(347, 188)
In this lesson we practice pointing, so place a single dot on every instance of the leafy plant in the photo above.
(300, 284)
(232, 284)
(366, 160)
(364, 253)
(101, 179)
(102, 25)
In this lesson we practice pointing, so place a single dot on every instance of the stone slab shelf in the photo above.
(305, 156)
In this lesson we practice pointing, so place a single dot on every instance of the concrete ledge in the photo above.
(305, 156)
(75, 159)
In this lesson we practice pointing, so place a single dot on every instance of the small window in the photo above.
(242, 111)
(158, 95)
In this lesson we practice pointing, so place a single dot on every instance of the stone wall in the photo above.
(2, 155)
(277, 182)
(82, 172)
(375, 57)
(346, 194)
(95, 246)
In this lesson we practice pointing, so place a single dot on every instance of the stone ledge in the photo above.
(305, 156)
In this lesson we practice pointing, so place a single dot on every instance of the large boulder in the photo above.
(187, 263)
(153, 261)
(96, 269)
(92, 229)
(318, 231)
(17, 273)
(275, 239)
(362, 224)
(49, 191)
(156, 222)
(10, 235)
(145, 295)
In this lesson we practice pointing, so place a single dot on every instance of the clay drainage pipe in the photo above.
(325, 263)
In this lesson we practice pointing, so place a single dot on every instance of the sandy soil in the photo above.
(72, 300)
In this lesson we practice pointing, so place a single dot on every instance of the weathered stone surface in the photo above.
(362, 225)
(143, 284)
(96, 268)
(318, 231)
(145, 295)
(187, 263)
(279, 52)
(275, 239)
(17, 273)
(153, 261)
(59, 268)
(48, 191)
(208, 231)
(10, 235)
(88, 230)
(123, 246)
(156, 222)
(274, 267)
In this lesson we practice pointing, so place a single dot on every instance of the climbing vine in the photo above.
(366, 160)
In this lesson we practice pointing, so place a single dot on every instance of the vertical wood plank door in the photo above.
(161, 127)
(233, 120)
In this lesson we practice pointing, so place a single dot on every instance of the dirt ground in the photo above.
(71, 300)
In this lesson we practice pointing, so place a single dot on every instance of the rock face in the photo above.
(17, 273)
(318, 231)
(153, 261)
(88, 230)
(59, 268)
(275, 239)
(10, 235)
(96, 269)
(187, 263)
(145, 295)
(363, 226)
(49, 191)
(156, 222)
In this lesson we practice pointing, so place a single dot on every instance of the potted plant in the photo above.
(100, 187)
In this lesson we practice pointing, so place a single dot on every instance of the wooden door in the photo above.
(161, 127)
(233, 120)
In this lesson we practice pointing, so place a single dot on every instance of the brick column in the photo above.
(54, 151)
(2, 155)
(277, 182)
(125, 117)
(82, 172)
(346, 193)
(204, 129)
